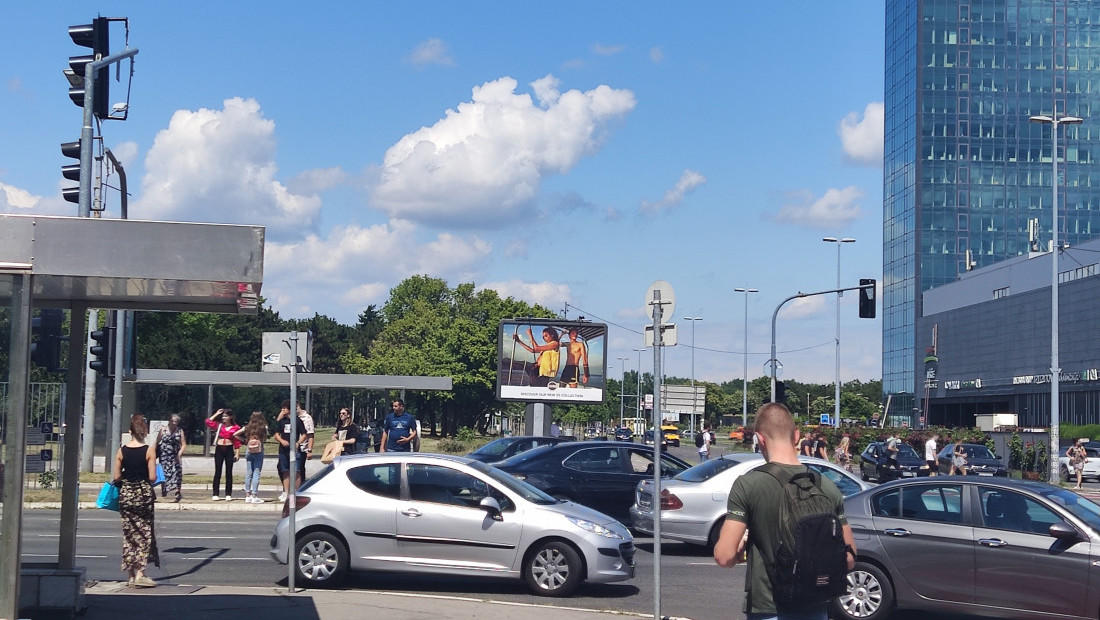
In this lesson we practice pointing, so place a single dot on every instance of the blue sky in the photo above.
(571, 153)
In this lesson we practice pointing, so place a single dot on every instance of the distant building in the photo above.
(985, 342)
(967, 179)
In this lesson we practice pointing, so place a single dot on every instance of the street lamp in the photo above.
(1055, 369)
(638, 386)
(693, 319)
(839, 242)
(745, 376)
(622, 390)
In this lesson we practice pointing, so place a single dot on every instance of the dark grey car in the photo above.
(967, 545)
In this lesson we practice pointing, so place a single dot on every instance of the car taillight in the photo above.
(300, 502)
(670, 501)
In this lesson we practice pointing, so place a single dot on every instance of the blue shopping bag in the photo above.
(160, 475)
(108, 497)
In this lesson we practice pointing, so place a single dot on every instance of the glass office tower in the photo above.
(967, 179)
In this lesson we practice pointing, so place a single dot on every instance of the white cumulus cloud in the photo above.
(803, 307)
(688, 183)
(836, 209)
(862, 138)
(355, 266)
(14, 199)
(219, 166)
(484, 161)
(431, 52)
(548, 294)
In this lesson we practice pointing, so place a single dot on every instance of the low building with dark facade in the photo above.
(983, 342)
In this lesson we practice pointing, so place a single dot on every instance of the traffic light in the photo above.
(102, 353)
(71, 171)
(96, 36)
(46, 335)
(780, 392)
(866, 298)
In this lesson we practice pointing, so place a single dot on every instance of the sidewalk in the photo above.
(111, 600)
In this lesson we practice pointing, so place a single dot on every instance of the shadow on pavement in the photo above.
(171, 607)
(503, 589)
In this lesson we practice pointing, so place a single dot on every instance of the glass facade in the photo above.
(967, 178)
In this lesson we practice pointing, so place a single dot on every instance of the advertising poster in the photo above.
(547, 360)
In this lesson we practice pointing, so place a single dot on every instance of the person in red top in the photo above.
(225, 449)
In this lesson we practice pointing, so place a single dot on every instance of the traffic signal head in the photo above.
(780, 392)
(102, 353)
(866, 298)
(71, 171)
(96, 36)
(46, 336)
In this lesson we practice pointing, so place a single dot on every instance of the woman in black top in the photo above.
(134, 472)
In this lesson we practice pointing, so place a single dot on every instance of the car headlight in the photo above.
(595, 528)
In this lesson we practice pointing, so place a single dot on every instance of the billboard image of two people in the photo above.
(546, 360)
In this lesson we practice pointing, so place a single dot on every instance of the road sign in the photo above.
(35, 436)
(778, 368)
(34, 464)
(668, 335)
(826, 420)
(45, 455)
(668, 299)
(46, 428)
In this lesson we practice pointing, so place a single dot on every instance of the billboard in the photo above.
(548, 360)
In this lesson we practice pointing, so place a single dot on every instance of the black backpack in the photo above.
(811, 560)
(698, 440)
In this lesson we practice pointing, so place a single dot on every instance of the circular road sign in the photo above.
(667, 297)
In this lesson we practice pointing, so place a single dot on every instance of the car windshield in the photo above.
(514, 484)
(979, 452)
(705, 470)
(526, 455)
(905, 449)
(494, 448)
(1077, 505)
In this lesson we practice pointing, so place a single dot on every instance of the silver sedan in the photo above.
(693, 504)
(434, 513)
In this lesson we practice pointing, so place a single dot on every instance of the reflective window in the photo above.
(605, 460)
(383, 480)
(1008, 510)
(442, 485)
(846, 485)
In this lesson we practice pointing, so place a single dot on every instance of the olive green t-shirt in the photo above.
(755, 500)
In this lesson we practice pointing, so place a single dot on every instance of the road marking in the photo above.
(54, 555)
(209, 559)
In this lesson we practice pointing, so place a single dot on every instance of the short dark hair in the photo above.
(398, 400)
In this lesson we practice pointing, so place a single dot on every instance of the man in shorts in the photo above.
(282, 435)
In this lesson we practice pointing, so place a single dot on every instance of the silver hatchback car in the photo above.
(434, 513)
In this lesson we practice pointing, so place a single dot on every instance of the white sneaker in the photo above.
(228, 498)
(256, 499)
(214, 498)
(282, 496)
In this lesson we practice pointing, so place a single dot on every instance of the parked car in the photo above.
(693, 503)
(441, 514)
(599, 474)
(594, 433)
(967, 545)
(624, 434)
(672, 434)
(500, 449)
(647, 439)
(1092, 466)
(980, 460)
(872, 461)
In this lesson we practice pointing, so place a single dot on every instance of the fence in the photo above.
(47, 405)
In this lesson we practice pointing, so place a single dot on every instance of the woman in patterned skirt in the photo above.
(134, 472)
(170, 446)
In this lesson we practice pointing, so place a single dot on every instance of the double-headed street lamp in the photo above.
(839, 242)
(693, 319)
(745, 376)
(1055, 367)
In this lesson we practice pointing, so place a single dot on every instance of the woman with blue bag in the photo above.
(134, 472)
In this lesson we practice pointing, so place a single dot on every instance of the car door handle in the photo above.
(411, 512)
(992, 542)
(897, 531)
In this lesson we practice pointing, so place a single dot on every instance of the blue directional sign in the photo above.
(826, 419)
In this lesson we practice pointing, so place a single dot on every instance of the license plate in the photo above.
(907, 474)
(985, 473)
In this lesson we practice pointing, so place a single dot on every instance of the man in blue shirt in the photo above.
(399, 429)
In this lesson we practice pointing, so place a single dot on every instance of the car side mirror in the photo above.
(492, 507)
(1063, 531)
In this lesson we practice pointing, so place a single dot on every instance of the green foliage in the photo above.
(47, 479)
(1070, 432)
(465, 434)
(451, 446)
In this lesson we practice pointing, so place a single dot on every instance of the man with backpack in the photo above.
(702, 442)
(797, 541)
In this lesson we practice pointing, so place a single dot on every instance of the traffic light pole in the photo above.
(86, 133)
(773, 362)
